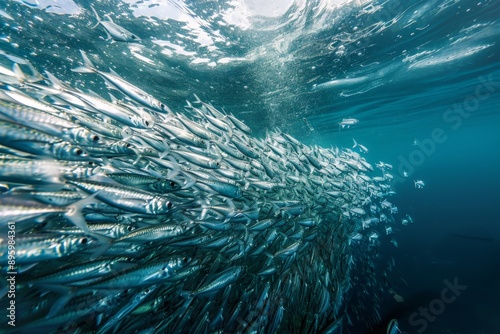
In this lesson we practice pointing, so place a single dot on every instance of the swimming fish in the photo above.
(347, 122)
(114, 31)
(179, 221)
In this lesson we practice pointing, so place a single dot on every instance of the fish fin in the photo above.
(111, 87)
(96, 16)
(98, 319)
(164, 154)
(36, 76)
(104, 244)
(199, 112)
(189, 184)
(91, 92)
(88, 67)
(54, 82)
(67, 293)
(176, 168)
(103, 178)
(126, 132)
(197, 99)
(203, 213)
(113, 98)
(59, 304)
(187, 295)
(226, 138)
(26, 268)
(109, 18)
(108, 36)
(19, 73)
(230, 203)
(5, 97)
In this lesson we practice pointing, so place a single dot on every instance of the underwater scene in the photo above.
(250, 166)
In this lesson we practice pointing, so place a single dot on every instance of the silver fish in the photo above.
(114, 31)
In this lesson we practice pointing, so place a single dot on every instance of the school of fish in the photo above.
(129, 217)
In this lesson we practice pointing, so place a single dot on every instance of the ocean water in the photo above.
(422, 78)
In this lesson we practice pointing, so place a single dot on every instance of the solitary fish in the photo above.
(135, 93)
(392, 327)
(347, 122)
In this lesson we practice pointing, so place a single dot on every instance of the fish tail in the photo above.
(355, 143)
(59, 304)
(55, 82)
(74, 215)
(97, 17)
(86, 61)
(126, 132)
(87, 67)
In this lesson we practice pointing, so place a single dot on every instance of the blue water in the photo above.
(406, 70)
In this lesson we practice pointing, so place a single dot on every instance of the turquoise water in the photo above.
(423, 72)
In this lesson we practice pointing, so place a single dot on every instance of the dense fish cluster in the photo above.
(125, 216)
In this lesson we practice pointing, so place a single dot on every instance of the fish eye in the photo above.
(185, 259)
(217, 163)
(95, 138)
(78, 151)
(202, 142)
(169, 205)
(127, 145)
(162, 106)
(146, 122)
(173, 184)
(83, 241)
